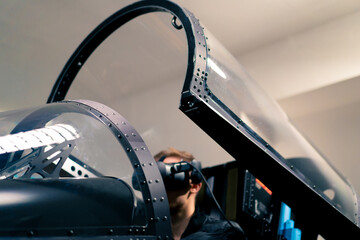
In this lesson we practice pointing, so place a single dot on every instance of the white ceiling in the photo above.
(304, 53)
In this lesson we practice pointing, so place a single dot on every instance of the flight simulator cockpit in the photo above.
(81, 166)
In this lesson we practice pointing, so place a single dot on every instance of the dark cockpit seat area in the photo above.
(65, 203)
(242, 198)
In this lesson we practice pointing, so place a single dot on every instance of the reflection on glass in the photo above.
(216, 68)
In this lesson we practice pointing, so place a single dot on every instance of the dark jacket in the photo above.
(204, 227)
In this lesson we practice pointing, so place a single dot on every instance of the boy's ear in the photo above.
(195, 187)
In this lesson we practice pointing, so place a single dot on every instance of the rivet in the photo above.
(143, 164)
(30, 233)
(136, 165)
(162, 199)
(136, 149)
(143, 148)
(165, 218)
(110, 125)
(154, 199)
(111, 231)
(148, 200)
(126, 135)
(123, 123)
(71, 232)
(157, 180)
(133, 134)
(150, 181)
(128, 149)
(151, 164)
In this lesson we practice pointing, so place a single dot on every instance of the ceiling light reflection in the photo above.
(216, 68)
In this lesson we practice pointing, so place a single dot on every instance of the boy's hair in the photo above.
(172, 152)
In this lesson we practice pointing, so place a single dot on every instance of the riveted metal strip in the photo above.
(144, 165)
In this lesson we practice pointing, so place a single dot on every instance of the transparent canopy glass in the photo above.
(139, 70)
(61, 141)
(230, 83)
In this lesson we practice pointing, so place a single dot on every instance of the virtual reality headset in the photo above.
(177, 175)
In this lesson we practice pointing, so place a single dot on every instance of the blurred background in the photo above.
(304, 54)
